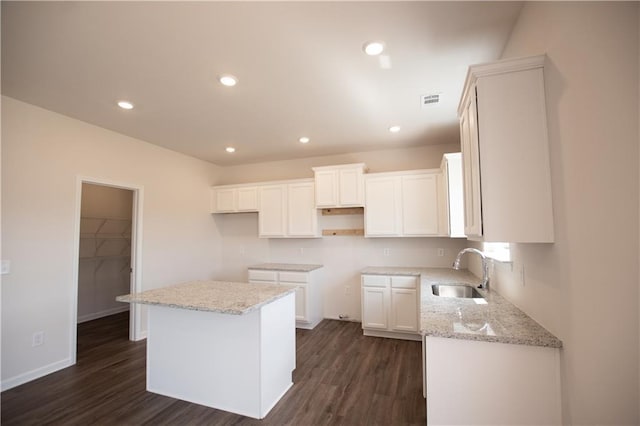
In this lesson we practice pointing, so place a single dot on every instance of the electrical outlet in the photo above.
(386, 252)
(242, 251)
(347, 290)
(301, 250)
(6, 267)
(37, 339)
(440, 252)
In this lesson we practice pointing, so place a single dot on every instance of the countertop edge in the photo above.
(286, 291)
(288, 267)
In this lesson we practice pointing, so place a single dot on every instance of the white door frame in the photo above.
(135, 332)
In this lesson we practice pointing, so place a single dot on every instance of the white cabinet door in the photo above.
(247, 199)
(301, 303)
(382, 215)
(350, 187)
(234, 199)
(455, 195)
(420, 205)
(375, 309)
(272, 218)
(339, 186)
(224, 200)
(326, 188)
(404, 309)
(471, 170)
(302, 214)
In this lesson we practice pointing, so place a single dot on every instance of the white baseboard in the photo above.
(20, 379)
(392, 334)
(105, 313)
(142, 335)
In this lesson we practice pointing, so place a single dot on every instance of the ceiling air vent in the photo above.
(427, 100)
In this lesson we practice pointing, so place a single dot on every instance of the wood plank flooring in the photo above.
(341, 378)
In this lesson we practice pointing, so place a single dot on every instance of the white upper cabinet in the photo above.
(411, 204)
(452, 186)
(505, 152)
(339, 186)
(272, 213)
(302, 216)
(419, 211)
(234, 199)
(382, 213)
(287, 210)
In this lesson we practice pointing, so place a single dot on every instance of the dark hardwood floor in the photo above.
(341, 378)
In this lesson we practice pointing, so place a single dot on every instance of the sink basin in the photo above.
(455, 290)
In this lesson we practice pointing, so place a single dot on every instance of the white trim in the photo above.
(391, 334)
(105, 313)
(12, 382)
(136, 257)
(497, 67)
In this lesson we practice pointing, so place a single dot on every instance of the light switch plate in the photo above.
(6, 267)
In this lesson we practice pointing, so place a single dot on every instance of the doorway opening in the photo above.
(108, 247)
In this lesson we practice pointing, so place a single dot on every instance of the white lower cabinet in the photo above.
(390, 306)
(375, 308)
(404, 309)
(480, 383)
(309, 297)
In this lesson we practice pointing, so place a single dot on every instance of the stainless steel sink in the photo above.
(455, 290)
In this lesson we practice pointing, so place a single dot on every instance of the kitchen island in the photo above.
(225, 345)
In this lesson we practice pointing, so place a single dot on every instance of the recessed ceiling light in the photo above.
(373, 48)
(394, 129)
(125, 104)
(228, 80)
(304, 139)
(230, 149)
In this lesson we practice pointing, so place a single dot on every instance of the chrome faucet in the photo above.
(485, 267)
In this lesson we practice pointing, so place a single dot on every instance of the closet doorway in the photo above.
(108, 230)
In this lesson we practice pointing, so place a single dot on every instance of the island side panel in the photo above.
(478, 383)
(278, 350)
(206, 358)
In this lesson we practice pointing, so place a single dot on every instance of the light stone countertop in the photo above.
(292, 267)
(496, 321)
(212, 296)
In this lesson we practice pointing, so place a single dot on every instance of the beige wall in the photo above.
(425, 157)
(43, 155)
(584, 288)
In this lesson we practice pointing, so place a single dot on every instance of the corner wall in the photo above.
(585, 287)
(43, 155)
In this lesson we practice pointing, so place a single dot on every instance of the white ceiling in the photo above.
(300, 67)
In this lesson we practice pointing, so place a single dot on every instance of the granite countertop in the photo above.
(212, 296)
(292, 267)
(496, 320)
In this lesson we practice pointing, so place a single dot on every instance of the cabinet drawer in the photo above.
(376, 280)
(294, 277)
(260, 275)
(404, 282)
